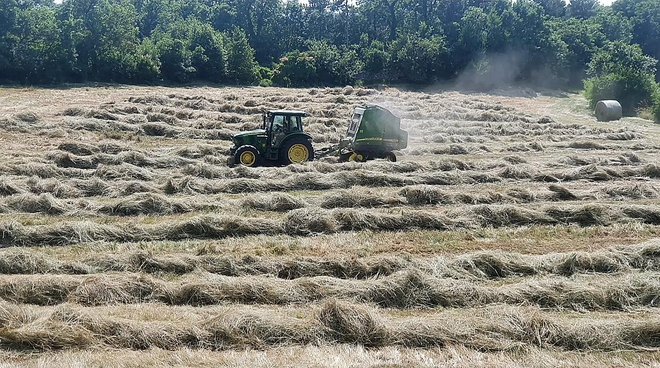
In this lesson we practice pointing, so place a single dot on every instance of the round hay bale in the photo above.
(608, 110)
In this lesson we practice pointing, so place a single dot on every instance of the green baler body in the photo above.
(375, 129)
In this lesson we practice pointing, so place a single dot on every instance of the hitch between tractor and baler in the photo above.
(331, 150)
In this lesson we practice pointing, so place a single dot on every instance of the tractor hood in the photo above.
(249, 133)
(251, 137)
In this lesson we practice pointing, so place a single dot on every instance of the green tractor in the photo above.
(373, 132)
(281, 139)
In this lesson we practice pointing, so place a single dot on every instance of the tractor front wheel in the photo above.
(296, 151)
(391, 157)
(247, 156)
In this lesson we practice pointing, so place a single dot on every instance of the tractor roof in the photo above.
(287, 112)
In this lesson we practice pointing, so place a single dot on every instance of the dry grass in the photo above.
(404, 289)
(502, 237)
(340, 356)
(490, 329)
(478, 265)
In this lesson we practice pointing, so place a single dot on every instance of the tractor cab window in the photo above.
(295, 124)
(278, 124)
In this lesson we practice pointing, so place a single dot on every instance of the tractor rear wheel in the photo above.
(247, 156)
(296, 151)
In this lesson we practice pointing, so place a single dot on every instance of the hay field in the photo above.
(514, 231)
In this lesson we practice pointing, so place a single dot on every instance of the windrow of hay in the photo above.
(510, 328)
(257, 182)
(404, 289)
(43, 203)
(145, 204)
(338, 355)
(7, 187)
(279, 202)
(480, 265)
(311, 220)
(136, 166)
(357, 197)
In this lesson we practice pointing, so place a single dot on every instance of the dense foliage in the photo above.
(656, 105)
(478, 43)
(621, 72)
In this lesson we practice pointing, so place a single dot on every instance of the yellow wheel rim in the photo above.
(355, 157)
(247, 158)
(298, 153)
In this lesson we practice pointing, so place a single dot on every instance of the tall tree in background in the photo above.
(8, 12)
(645, 18)
(582, 9)
(319, 42)
(37, 49)
(553, 8)
(241, 65)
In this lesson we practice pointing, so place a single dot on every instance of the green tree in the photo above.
(582, 9)
(528, 36)
(613, 25)
(645, 18)
(656, 105)
(241, 65)
(175, 59)
(145, 65)
(622, 72)
(8, 12)
(375, 57)
(418, 60)
(472, 38)
(191, 50)
(37, 50)
(553, 8)
(581, 39)
(102, 36)
(295, 69)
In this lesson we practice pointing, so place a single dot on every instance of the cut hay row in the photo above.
(336, 356)
(480, 265)
(140, 199)
(22, 261)
(309, 221)
(405, 289)
(140, 126)
(76, 188)
(304, 178)
(69, 160)
(509, 328)
(420, 195)
(367, 178)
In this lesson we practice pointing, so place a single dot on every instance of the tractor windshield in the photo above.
(278, 124)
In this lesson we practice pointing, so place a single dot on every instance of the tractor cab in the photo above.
(281, 139)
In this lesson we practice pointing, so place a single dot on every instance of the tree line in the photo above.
(476, 43)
